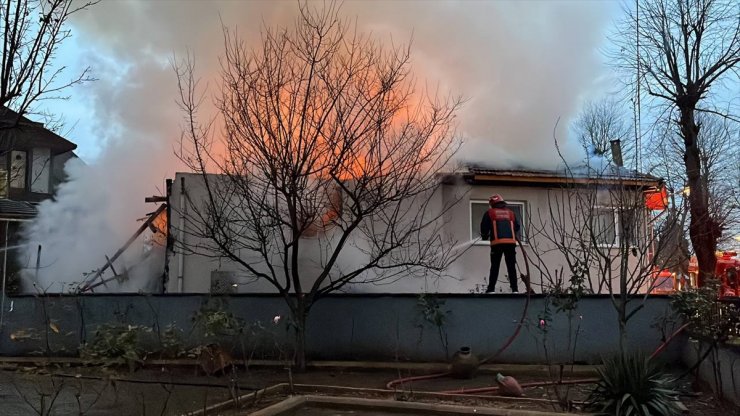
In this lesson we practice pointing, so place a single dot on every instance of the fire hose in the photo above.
(526, 278)
(494, 389)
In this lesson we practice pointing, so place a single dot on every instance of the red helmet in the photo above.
(495, 199)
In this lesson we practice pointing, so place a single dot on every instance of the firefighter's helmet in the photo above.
(495, 199)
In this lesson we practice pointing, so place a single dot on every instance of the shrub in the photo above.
(115, 344)
(631, 384)
(709, 319)
(214, 320)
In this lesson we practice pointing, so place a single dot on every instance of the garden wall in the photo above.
(726, 362)
(368, 327)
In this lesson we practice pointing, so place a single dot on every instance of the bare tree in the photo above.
(719, 149)
(329, 163)
(32, 32)
(598, 124)
(598, 222)
(683, 52)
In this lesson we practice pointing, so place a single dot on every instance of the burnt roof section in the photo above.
(16, 209)
(19, 133)
(584, 174)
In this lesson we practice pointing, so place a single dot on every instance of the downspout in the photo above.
(5, 274)
(168, 240)
(181, 238)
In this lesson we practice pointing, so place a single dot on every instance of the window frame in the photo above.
(475, 232)
(23, 170)
(640, 236)
(615, 220)
(617, 227)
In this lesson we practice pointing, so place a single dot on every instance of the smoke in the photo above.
(521, 65)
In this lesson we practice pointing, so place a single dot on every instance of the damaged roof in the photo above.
(583, 174)
(16, 209)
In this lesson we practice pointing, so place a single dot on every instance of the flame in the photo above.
(158, 228)
(332, 209)
(358, 119)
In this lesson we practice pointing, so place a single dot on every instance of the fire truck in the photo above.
(727, 269)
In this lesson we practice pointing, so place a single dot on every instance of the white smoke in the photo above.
(521, 65)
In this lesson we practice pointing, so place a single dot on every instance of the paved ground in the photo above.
(73, 390)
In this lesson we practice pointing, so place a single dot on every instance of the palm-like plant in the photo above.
(632, 385)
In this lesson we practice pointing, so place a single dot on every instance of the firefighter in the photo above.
(499, 224)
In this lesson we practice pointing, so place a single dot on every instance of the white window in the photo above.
(605, 223)
(479, 207)
(604, 226)
(633, 226)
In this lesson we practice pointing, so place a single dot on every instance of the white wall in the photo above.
(469, 273)
(471, 270)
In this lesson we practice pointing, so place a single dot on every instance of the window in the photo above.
(18, 169)
(605, 223)
(3, 183)
(478, 208)
(604, 226)
(633, 226)
(40, 170)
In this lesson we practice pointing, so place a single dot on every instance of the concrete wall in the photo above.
(373, 327)
(727, 365)
(469, 274)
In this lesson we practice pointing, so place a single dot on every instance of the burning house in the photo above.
(572, 219)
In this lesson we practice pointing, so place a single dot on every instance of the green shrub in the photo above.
(171, 342)
(115, 344)
(215, 321)
(709, 319)
(632, 385)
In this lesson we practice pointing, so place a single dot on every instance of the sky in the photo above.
(524, 68)
(521, 65)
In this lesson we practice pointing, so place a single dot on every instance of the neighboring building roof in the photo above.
(18, 132)
(605, 175)
(16, 209)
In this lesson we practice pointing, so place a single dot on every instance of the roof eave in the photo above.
(559, 180)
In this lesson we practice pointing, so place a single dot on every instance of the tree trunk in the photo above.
(299, 317)
(703, 230)
(622, 318)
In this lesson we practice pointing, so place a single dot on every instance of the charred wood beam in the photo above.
(88, 285)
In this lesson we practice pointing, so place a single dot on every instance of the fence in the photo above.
(367, 327)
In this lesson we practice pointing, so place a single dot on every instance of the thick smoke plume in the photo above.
(521, 65)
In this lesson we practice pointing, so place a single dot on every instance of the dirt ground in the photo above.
(65, 390)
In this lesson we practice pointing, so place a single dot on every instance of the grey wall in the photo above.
(374, 327)
(727, 364)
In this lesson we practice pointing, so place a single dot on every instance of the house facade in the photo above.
(577, 222)
(32, 162)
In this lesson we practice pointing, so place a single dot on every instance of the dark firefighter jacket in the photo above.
(499, 225)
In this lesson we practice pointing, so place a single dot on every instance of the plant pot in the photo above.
(464, 364)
